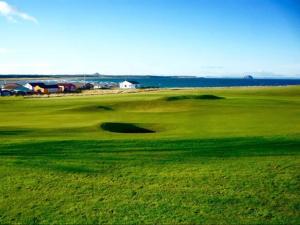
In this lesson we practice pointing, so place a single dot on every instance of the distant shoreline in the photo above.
(153, 81)
(155, 90)
(100, 76)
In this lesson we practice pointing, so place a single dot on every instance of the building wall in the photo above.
(38, 89)
(29, 86)
(52, 90)
(128, 85)
(67, 87)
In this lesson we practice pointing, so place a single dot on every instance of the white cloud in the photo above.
(13, 14)
(3, 50)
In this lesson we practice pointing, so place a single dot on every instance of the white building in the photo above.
(129, 84)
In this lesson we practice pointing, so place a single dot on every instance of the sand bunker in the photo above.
(197, 97)
(125, 128)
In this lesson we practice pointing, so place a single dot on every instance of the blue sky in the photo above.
(174, 37)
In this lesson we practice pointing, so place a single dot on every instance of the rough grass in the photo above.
(210, 162)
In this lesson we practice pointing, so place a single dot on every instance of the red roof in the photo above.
(11, 86)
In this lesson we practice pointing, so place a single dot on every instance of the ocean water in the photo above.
(174, 82)
(180, 82)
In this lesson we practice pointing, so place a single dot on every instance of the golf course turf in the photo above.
(192, 156)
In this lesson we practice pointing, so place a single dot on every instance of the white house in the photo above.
(129, 84)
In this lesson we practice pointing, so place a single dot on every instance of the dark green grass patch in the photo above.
(95, 108)
(125, 128)
(8, 131)
(175, 149)
(90, 109)
(197, 97)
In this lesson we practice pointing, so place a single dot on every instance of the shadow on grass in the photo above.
(84, 156)
(93, 108)
(196, 97)
(222, 147)
(13, 132)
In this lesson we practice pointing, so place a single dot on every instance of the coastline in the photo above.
(118, 91)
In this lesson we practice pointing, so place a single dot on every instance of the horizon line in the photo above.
(159, 75)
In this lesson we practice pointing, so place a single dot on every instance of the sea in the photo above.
(177, 82)
(182, 82)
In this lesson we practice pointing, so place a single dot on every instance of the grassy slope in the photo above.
(212, 161)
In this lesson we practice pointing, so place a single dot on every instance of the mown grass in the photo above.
(233, 161)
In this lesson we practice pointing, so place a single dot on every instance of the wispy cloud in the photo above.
(3, 50)
(13, 14)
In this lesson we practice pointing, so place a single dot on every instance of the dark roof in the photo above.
(51, 86)
(78, 84)
(66, 84)
(42, 85)
(36, 84)
(132, 81)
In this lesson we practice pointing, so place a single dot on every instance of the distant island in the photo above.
(248, 77)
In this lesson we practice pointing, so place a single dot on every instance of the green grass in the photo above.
(228, 161)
